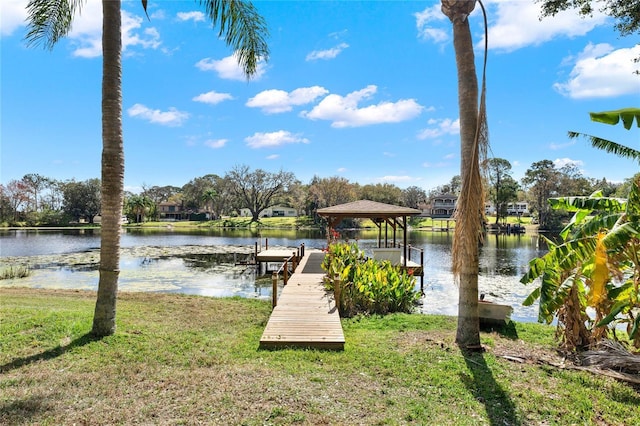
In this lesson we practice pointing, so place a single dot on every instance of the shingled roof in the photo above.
(369, 209)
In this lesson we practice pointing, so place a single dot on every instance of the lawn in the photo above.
(179, 359)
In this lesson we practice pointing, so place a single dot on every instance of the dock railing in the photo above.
(288, 267)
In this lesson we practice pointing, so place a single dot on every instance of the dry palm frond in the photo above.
(612, 355)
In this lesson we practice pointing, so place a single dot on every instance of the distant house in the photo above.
(521, 208)
(273, 211)
(442, 206)
(171, 211)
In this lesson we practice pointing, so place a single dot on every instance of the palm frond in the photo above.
(50, 20)
(609, 146)
(243, 29)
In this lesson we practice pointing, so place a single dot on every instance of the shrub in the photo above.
(366, 285)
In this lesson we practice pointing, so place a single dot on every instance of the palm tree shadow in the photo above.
(49, 354)
(498, 405)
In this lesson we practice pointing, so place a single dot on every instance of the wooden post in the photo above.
(337, 290)
(422, 269)
(286, 272)
(295, 262)
(301, 250)
(274, 289)
(266, 244)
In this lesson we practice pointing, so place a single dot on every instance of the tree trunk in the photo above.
(467, 231)
(104, 320)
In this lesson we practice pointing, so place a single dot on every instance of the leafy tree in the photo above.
(257, 190)
(82, 200)
(573, 182)
(503, 189)
(49, 20)
(625, 12)
(413, 196)
(473, 144)
(36, 184)
(16, 195)
(193, 193)
(542, 181)
(453, 187)
(382, 193)
(331, 191)
(159, 194)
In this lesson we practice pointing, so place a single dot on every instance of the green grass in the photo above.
(234, 222)
(194, 360)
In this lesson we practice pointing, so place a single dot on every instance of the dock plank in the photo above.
(305, 316)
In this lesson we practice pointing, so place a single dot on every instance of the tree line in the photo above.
(39, 200)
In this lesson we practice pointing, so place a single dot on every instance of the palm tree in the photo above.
(473, 142)
(208, 197)
(48, 21)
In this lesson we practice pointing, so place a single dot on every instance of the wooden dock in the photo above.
(306, 315)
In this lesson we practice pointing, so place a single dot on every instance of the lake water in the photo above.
(503, 261)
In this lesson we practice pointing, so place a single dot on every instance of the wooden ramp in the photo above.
(305, 316)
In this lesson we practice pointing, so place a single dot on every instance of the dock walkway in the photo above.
(306, 315)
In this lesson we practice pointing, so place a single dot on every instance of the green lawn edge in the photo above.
(178, 359)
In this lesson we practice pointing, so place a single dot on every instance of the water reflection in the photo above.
(503, 260)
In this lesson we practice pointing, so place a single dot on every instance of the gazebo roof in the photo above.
(367, 209)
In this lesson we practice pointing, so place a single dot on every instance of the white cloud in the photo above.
(561, 162)
(326, 54)
(391, 178)
(518, 24)
(426, 30)
(276, 101)
(273, 139)
(602, 72)
(228, 68)
(191, 16)
(216, 143)
(272, 157)
(172, 118)
(12, 16)
(558, 146)
(342, 169)
(343, 111)
(212, 97)
(440, 127)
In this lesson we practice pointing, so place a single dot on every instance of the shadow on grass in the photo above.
(505, 329)
(24, 410)
(48, 354)
(498, 405)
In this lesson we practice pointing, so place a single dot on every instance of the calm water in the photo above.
(503, 260)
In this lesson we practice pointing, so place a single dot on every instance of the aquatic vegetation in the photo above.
(12, 272)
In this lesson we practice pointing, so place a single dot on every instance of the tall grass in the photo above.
(12, 272)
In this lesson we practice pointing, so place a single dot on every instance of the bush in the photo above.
(366, 285)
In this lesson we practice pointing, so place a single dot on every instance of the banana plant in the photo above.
(597, 264)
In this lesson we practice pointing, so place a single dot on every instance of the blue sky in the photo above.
(363, 90)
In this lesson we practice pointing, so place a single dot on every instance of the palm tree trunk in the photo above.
(104, 320)
(468, 219)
